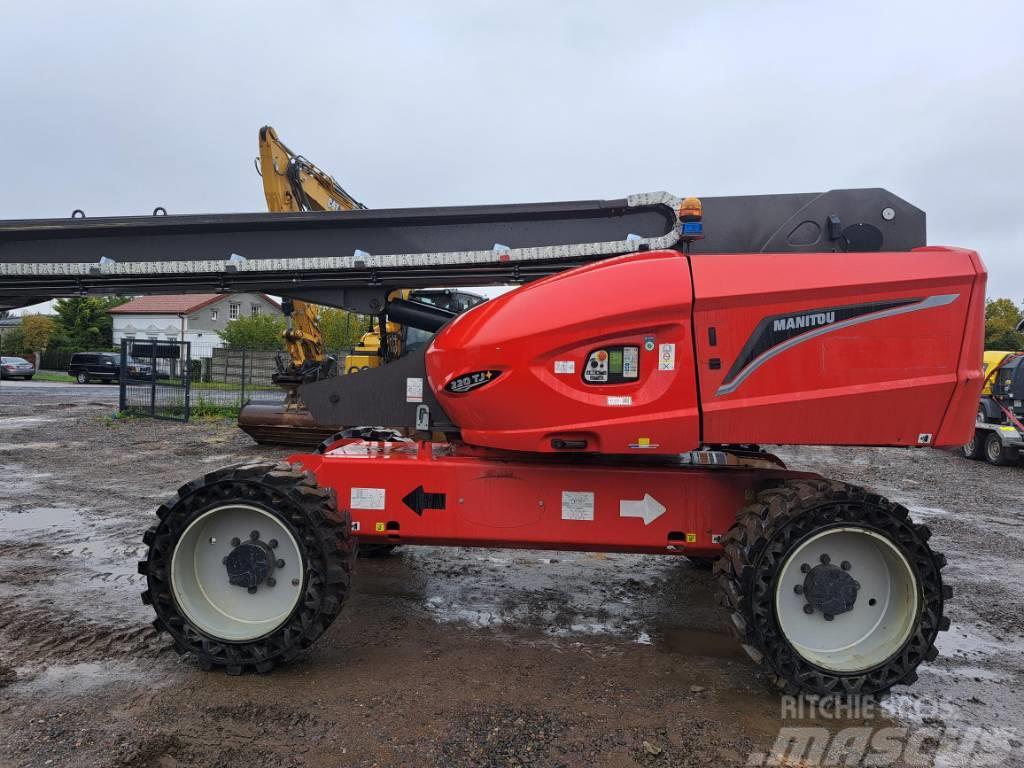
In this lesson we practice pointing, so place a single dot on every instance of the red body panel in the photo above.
(500, 502)
(885, 381)
(525, 334)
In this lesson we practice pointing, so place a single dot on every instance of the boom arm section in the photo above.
(353, 259)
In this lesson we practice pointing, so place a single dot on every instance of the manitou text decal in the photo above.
(470, 381)
(777, 333)
(803, 321)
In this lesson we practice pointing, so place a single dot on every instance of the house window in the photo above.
(213, 314)
(233, 310)
(255, 309)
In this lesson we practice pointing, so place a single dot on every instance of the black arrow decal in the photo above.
(419, 500)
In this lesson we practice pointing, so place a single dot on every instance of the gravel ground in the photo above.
(443, 657)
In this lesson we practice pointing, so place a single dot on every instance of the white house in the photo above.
(198, 318)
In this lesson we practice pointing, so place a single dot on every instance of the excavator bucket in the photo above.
(277, 424)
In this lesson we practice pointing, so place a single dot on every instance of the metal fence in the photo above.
(179, 379)
(154, 379)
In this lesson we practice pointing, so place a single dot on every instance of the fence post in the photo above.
(187, 376)
(152, 378)
(245, 352)
(123, 387)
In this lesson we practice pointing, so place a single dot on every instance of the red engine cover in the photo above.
(816, 348)
(535, 342)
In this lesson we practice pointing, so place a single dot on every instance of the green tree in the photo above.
(1001, 319)
(261, 332)
(12, 341)
(85, 322)
(37, 330)
(341, 330)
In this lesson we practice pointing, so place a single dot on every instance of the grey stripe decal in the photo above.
(929, 303)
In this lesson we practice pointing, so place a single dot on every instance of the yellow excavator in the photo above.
(291, 183)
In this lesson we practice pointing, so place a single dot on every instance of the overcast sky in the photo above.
(116, 108)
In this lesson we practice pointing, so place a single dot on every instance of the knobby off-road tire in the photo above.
(766, 542)
(313, 534)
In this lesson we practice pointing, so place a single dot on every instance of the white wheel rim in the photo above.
(883, 616)
(199, 578)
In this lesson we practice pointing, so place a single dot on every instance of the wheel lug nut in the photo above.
(805, 568)
(273, 543)
(254, 535)
(295, 582)
(845, 565)
(825, 559)
(252, 590)
(808, 609)
(798, 589)
(829, 617)
(235, 541)
(271, 581)
(279, 564)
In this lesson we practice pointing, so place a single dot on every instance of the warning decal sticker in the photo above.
(565, 366)
(630, 362)
(577, 505)
(666, 357)
(413, 390)
(366, 498)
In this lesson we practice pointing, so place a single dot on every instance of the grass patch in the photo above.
(55, 376)
(204, 409)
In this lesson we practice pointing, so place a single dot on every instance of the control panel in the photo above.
(612, 365)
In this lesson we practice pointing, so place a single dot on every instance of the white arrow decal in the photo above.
(648, 508)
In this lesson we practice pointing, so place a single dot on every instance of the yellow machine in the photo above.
(292, 184)
(989, 361)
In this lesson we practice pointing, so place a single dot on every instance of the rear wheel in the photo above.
(82, 377)
(833, 590)
(997, 453)
(975, 448)
(248, 566)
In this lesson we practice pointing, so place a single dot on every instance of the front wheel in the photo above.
(248, 566)
(832, 589)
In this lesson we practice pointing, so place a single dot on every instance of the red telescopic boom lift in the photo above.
(616, 401)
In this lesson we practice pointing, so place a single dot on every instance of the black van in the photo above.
(105, 367)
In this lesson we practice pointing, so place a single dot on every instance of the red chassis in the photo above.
(452, 494)
(793, 349)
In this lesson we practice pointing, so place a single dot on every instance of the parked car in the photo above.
(105, 367)
(16, 368)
